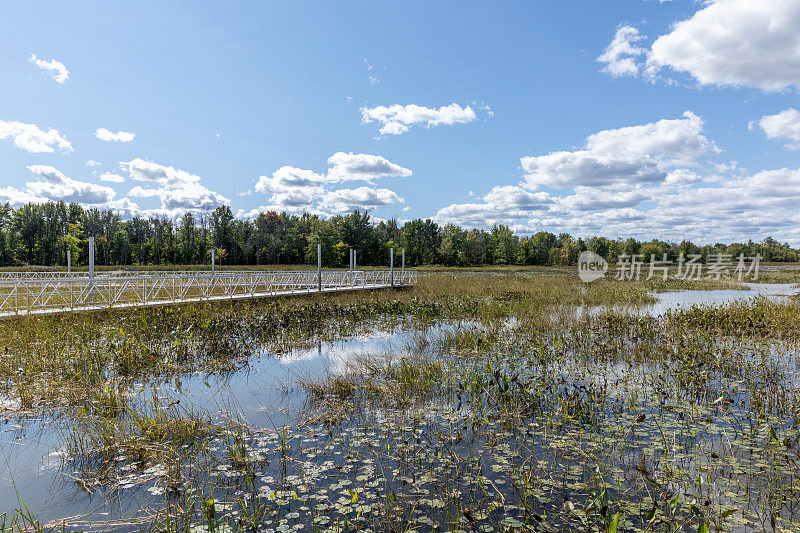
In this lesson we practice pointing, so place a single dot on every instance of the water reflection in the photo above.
(676, 300)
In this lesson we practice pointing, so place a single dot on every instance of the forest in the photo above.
(41, 235)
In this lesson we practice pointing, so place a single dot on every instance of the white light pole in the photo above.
(319, 268)
(91, 269)
(403, 267)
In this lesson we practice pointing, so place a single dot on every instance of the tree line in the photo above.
(41, 235)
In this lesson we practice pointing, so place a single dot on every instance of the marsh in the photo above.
(477, 401)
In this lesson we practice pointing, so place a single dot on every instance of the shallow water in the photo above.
(676, 300)
(266, 394)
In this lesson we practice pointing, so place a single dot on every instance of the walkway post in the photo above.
(91, 269)
(319, 268)
(403, 268)
(69, 271)
(391, 266)
(213, 259)
(350, 273)
(354, 267)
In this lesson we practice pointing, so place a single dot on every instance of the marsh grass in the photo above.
(143, 433)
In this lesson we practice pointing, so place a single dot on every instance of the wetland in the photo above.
(498, 400)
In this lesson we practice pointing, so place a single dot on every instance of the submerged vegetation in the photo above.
(506, 401)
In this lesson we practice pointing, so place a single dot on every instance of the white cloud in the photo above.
(592, 199)
(718, 208)
(178, 190)
(288, 177)
(502, 205)
(362, 198)
(620, 56)
(125, 207)
(292, 189)
(372, 69)
(683, 176)
(107, 135)
(168, 176)
(32, 139)
(112, 178)
(672, 139)
(54, 185)
(93, 163)
(296, 190)
(635, 154)
(363, 167)
(50, 184)
(397, 119)
(783, 125)
(16, 197)
(747, 43)
(615, 172)
(55, 69)
(692, 198)
(754, 43)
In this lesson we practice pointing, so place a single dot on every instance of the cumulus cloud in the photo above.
(620, 56)
(592, 199)
(16, 197)
(107, 135)
(749, 43)
(168, 176)
(292, 189)
(733, 208)
(363, 167)
(635, 154)
(362, 198)
(754, 43)
(55, 69)
(178, 190)
(398, 119)
(783, 125)
(502, 205)
(111, 177)
(296, 190)
(692, 198)
(125, 207)
(615, 172)
(288, 177)
(32, 139)
(52, 184)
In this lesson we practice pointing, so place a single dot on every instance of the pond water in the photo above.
(267, 394)
(676, 300)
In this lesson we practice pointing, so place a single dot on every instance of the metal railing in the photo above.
(52, 292)
(46, 275)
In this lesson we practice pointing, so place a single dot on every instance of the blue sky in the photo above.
(245, 102)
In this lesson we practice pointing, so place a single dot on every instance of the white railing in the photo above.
(49, 292)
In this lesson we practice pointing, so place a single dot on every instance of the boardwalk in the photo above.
(25, 293)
